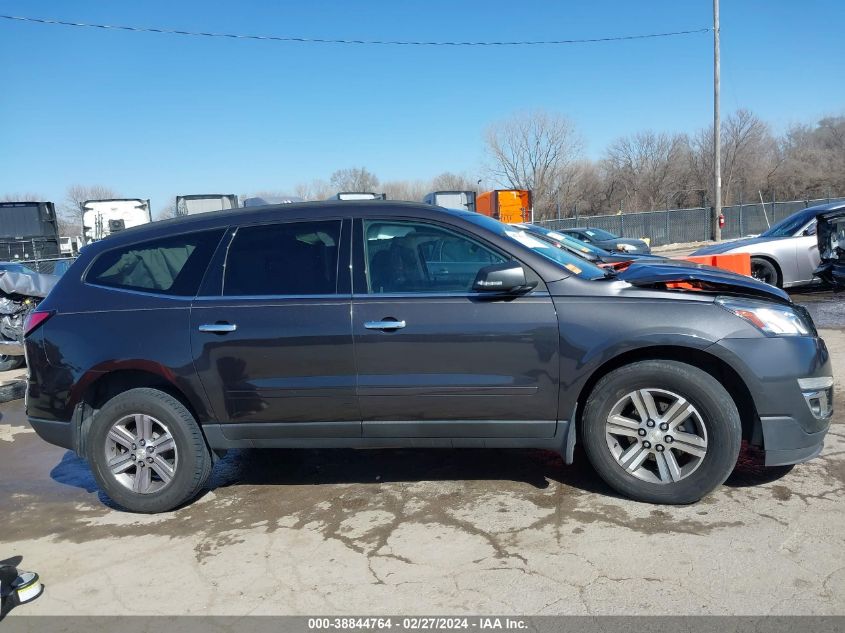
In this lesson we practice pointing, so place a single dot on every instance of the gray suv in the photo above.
(381, 324)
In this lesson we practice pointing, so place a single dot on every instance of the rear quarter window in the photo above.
(172, 265)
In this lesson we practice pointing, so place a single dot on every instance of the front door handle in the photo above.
(218, 328)
(384, 325)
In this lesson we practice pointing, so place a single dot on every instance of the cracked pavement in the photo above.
(426, 531)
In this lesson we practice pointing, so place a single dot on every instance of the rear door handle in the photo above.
(218, 328)
(384, 325)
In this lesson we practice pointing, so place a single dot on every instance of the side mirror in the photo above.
(508, 277)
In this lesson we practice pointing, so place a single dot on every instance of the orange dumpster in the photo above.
(506, 205)
(736, 262)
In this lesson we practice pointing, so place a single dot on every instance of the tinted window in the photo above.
(295, 258)
(172, 265)
(408, 257)
(789, 225)
(598, 234)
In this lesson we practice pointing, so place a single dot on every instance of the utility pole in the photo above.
(715, 230)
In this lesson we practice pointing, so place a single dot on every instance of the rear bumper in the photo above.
(53, 431)
(11, 348)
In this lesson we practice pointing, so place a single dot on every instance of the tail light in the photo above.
(35, 320)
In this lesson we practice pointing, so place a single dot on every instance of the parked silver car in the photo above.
(787, 254)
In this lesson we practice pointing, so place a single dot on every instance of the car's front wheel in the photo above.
(147, 452)
(661, 431)
(765, 271)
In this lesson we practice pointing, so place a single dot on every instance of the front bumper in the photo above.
(786, 442)
(777, 372)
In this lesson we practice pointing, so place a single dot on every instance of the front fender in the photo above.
(595, 331)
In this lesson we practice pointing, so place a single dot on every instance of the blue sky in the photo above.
(158, 115)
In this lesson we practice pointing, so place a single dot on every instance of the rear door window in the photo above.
(294, 258)
(172, 265)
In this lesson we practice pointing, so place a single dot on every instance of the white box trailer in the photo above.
(358, 195)
(69, 246)
(260, 201)
(205, 202)
(463, 200)
(101, 218)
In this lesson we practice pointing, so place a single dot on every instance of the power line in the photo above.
(320, 40)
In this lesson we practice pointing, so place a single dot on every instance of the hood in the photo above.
(617, 257)
(685, 276)
(830, 235)
(726, 247)
(26, 284)
(635, 245)
(629, 240)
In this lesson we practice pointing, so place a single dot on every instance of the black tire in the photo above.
(765, 271)
(12, 390)
(8, 363)
(705, 393)
(192, 469)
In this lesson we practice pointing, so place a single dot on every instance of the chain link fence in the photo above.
(47, 266)
(676, 226)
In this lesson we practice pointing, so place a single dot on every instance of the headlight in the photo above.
(770, 318)
(625, 247)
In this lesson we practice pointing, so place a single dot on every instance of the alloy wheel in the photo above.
(141, 453)
(656, 435)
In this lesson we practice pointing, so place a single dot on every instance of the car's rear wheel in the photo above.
(147, 452)
(661, 431)
(765, 271)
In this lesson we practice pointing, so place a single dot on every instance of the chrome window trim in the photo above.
(143, 293)
(346, 296)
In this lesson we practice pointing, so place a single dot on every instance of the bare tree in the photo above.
(413, 190)
(749, 157)
(354, 179)
(71, 210)
(811, 161)
(538, 151)
(167, 211)
(646, 168)
(22, 197)
(448, 181)
(314, 190)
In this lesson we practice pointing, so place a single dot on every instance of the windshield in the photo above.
(788, 226)
(599, 234)
(565, 259)
(573, 242)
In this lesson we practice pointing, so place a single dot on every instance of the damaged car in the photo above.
(21, 290)
(785, 255)
(590, 252)
(377, 325)
(831, 244)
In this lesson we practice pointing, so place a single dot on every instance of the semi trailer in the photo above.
(464, 200)
(101, 218)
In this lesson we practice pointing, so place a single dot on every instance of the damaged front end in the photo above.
(20, 294)
(830, 234)
(689, 277)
